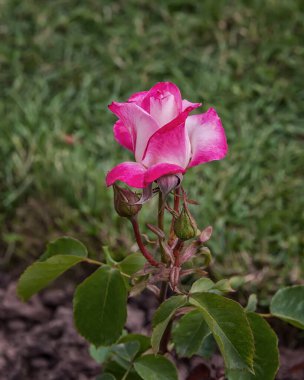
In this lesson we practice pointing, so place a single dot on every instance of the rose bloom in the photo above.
(156, 126)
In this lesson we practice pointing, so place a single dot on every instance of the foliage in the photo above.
(59, 65)
(245, 339)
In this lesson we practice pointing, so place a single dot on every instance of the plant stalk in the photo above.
(141, 245)
(176, 209)
(160, 224)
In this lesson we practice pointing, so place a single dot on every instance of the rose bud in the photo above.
(184, 226)
(124, 202)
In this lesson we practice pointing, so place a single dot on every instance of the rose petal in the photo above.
(163, 102)
(131, 173)
(207, 137)
(123, 136)
(159, 170)
(189, 106)
(140, 124)
(137, 97)
(170, 144)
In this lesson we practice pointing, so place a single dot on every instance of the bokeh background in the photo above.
(63, 61)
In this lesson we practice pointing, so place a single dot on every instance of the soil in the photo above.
(38, 340)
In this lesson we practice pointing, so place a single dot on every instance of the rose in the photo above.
(155, 125)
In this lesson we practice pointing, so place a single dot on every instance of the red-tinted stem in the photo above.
(176, 252)
(141, 245)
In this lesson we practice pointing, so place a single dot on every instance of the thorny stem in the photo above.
(163, 347)
(160, 224)
(177, 249)
(141, 245)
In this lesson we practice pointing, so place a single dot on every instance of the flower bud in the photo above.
(124, 202)
(184, 226)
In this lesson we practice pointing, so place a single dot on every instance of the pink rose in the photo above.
(155, 125)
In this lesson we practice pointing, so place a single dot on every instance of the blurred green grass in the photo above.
(63, 61)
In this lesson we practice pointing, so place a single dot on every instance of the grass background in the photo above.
(63, 61)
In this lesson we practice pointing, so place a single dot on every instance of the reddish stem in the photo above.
(176, 252)
(141, 245)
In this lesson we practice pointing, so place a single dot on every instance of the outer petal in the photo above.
(131, 173)
(140, 124)
(137, 97)
(186, 105)
(123, 136)
(170, 144)
(159, 170)
(207, 137)
(163, 102)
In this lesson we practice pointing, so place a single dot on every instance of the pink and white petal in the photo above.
(163, 102)
(207, 137)
(137, 97)
(163, 109)
(159, 170)
(131, 173)
(140, 124)
(170, 144)
(123, 136)
(189, 106)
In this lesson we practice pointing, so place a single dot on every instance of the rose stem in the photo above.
(176, 209)
(177, 249)
(160, 224)
(163, 348)
(141, 245)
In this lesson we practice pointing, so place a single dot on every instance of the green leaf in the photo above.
(151, 367)
(38, 275)
(143, 340)
(162, 317)
(108, 256)
(252, 303)
(132, 263)
(208, 347)
(230, 328)
(288, 304)
(100, 304)
(206, 285)
(126, 351)
(201, 285)
(99, 354)
(189, 333)
(64, 246)
(266, 357)
(223, 286)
